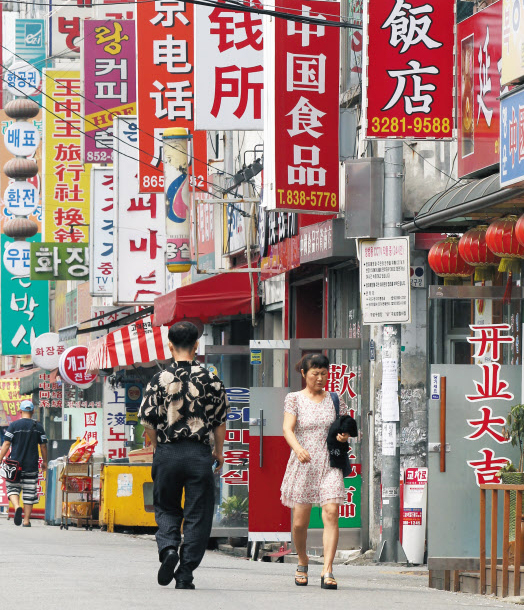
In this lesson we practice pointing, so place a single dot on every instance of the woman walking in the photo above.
(309, 479)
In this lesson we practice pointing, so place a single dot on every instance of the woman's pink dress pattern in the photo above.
(315, 482)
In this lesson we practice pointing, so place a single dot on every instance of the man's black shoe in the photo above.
(166, 572)
(184, 584)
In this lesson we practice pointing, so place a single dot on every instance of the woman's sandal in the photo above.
(326, 585)
(301, 583)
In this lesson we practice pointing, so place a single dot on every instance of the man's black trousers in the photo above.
(183, 465)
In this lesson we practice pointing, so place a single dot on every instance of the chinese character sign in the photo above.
(51, 261)
(512, 139)
(479, 50)
(30, 45)
(408, 78)
(486, 426)
(165, 91)
(24, 308)
(303, 70)
(229, 79)
(101, 232)
(109, 64)
(66, 179)
(140, 226)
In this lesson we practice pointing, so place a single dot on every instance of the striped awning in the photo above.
(137, 344)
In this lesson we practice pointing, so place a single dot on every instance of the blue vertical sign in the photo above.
(30, 45)
(24, 307)
(512, 138)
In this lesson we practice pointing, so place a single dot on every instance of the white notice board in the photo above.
(385, 280)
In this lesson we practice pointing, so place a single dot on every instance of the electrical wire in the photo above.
(224, 5)
(434, 166)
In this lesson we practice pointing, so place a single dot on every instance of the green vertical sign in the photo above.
(24, 309)
(349, 512)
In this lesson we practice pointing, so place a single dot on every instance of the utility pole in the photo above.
(393, 181)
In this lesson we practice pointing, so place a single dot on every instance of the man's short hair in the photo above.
(183, 335)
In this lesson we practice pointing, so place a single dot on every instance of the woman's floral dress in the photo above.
(315, 482)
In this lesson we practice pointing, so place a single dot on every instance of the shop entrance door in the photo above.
(274, 375)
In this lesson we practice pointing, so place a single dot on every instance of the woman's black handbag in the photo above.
(12, 469)
(346, 470)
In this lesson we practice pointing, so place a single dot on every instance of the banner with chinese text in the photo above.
(140, 226)
(24, 309)
(101, 232)
(479, 44)
(302, 66)
(165, 87)
(512, 139)
(229, 73)
(109, 74)
(408, 71)
(66, 179)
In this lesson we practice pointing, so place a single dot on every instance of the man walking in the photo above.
(183, 408)
(24, 436)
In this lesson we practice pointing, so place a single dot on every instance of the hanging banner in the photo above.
(302, 68)
(51, 261)
(20, 204)
(479, 45)
(65, 22)
(101, 232)
(512, 41)
(408, 72)
(24, 308)
(512, 139)
(229, 73)
(140, 226)
(355, 45)
(30, 46)
(10, 400)
(66, 180)
(109, 75)
(165, 74)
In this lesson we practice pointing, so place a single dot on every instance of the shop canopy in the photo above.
(478, 201)
(219, 296)
(138, 344)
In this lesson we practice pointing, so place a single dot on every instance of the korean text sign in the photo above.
(109, 70)
(512, 139)
(305, 123)
(512, 41)
(101, 232)
(229, 78)
(10, 398)
(479, 41)
(30, 45)
(140, 226)
(385, 285)
(66, 179)
(165, 86)
(51, 261)
(25, 309)
(409, 74)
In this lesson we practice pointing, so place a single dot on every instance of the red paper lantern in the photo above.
(445, 260)
(474, 250)
(519, 230)
(502, 240)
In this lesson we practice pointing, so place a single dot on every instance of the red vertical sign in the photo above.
(307, 67)
(479, 46)
(409, 74)
(165, 86)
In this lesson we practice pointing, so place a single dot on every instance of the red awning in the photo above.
(226, 294)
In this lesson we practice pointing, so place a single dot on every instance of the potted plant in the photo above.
(508, 474)
(234, 514)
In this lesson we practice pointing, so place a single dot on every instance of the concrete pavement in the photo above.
(46, 568)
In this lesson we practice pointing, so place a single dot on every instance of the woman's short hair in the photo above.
(312, 361)
(183, 334)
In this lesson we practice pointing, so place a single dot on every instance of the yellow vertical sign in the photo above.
(66, 179)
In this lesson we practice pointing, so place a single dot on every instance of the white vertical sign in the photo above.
(101, 232)
(140, 226)
(229, 76)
